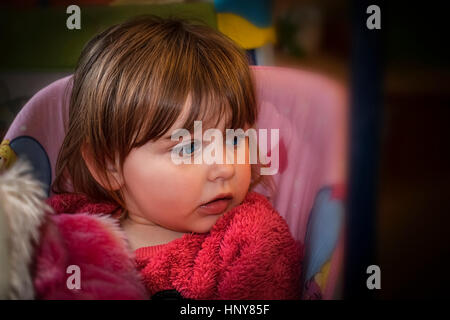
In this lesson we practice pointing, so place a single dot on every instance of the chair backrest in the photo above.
(310, 112)
(44, 118)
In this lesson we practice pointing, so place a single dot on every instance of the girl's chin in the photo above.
(206, 226)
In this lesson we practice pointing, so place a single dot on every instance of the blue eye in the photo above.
(187, 149)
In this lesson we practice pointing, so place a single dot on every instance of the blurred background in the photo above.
(410, 147)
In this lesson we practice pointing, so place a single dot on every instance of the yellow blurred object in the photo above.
(246, 34)
(322, 276)
(7, 155)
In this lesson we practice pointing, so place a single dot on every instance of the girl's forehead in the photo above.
(209, 117)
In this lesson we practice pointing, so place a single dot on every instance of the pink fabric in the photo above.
(310, 111)
(248, 254)
(95, 245)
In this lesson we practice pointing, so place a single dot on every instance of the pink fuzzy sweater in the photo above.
(248, 254)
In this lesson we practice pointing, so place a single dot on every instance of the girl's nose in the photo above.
(220, 171)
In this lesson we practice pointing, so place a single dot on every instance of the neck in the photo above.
(143, 233)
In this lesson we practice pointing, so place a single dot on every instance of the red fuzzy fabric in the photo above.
(95, 244)
(248, 254)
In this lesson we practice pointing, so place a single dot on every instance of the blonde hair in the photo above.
(130, 85)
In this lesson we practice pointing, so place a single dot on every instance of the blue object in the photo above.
(30, 149)
(324, 225)
(258, 12)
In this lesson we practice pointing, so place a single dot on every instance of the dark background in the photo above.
(411, 168)
(414, 179)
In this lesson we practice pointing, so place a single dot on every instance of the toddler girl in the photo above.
(133, 223)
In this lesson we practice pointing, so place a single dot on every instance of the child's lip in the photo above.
(215, 207)
(225, 196)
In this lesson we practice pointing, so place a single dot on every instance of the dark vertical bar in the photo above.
(365, 115)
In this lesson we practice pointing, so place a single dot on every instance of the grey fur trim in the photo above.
(22, 210)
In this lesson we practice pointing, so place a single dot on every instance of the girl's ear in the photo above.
(111, 171)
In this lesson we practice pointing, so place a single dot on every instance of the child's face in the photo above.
(158, 191)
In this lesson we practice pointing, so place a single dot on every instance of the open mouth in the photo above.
(217, 205)
(219, 198)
